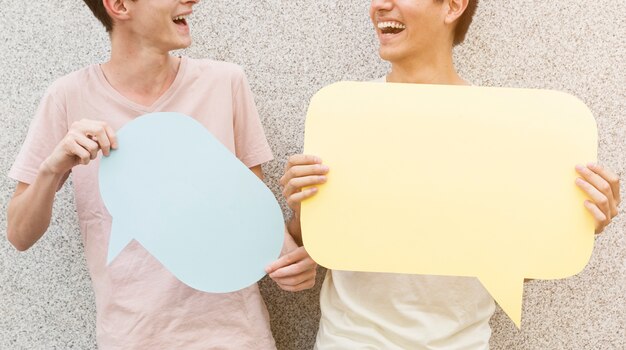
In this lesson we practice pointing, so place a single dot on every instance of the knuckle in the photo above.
(290, 174)
(602, 217)
(605, 187)
(293, 183)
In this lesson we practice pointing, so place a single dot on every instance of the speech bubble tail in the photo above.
(507, 292)
(117, 242)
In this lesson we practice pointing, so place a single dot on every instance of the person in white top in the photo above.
(392, 311)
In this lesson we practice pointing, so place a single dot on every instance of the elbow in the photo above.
(16, 242)
(15, 238)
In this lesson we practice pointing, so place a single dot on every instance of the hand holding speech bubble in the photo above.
(191, 203)
(450, 180)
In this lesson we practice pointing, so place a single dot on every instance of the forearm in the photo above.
(294, 229)
(30, 210)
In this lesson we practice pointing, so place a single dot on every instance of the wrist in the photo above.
(51, 172)
(294, 229)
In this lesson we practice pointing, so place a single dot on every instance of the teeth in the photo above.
(179, 18)
(391, 24)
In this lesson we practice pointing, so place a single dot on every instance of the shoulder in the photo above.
(221, 69)
(209, 74)
(71, 84)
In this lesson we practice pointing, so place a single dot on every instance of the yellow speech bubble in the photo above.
(450, 180)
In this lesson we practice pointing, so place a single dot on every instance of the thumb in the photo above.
(286, 260)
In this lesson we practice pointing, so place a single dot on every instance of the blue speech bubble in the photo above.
(179, 192)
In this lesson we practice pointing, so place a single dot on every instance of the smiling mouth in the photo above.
(180, 20)
(391, 27)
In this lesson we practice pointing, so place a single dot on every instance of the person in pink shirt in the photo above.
(362, 310)
(140, 305)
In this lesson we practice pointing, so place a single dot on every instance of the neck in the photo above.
(435, 69)
(140, 73)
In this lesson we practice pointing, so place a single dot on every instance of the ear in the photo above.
(455, 9)
(116, 9)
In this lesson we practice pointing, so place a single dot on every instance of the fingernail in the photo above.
(579, 167)
(579, 181)
(324, 167)
(323, 178)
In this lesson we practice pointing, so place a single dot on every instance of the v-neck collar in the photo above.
(116, 95)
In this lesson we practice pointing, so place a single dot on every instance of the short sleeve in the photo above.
(46, 130)
(251, 146)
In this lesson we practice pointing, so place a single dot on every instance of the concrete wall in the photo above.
(290, 49)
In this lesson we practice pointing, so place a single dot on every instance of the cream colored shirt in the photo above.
(362, 310)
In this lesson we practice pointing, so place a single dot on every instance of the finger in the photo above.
(295, 269)
(296, 184)
(88, 144)
(300, 287)
(596, 180)
(112, 136)
(601, 219)
(295, 199)
(75, 150)
(598, 198)
(102, 138)
(610, 177)
(101, 133)
(302, 159)
(304, 170)
(93, 130)
(287, 260)
(295, 279)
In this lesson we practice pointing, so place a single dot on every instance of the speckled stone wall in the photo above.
(289, 50)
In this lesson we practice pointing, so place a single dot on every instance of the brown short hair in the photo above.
(464, 21)
(98, 10)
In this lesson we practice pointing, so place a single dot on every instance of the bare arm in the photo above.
(294, 270)
(30, 210)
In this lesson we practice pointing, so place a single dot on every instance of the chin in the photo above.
(388, 54)
(181, 45)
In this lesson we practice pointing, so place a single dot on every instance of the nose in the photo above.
(381, 5)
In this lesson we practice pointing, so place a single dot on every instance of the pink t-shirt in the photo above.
(140, 305)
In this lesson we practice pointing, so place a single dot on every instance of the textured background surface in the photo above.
(290, 49)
